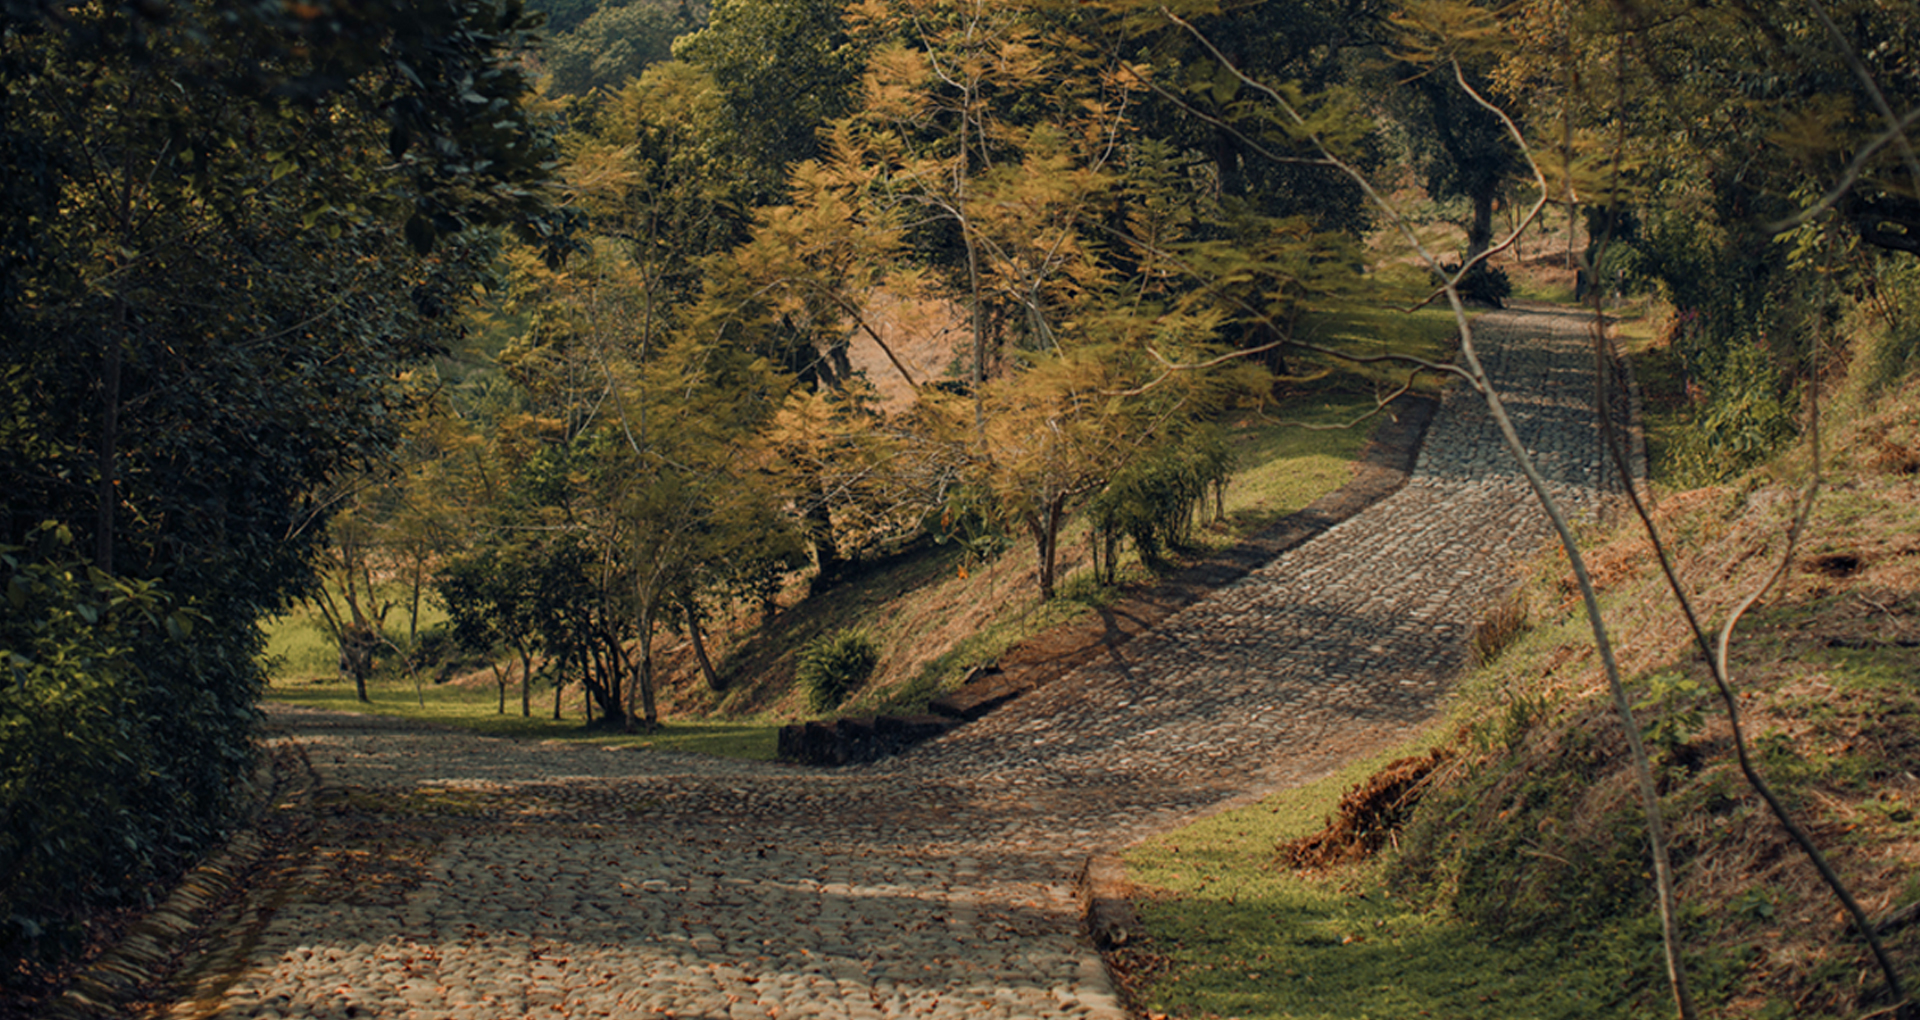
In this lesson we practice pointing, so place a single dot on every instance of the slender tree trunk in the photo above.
(108, 446)
(1045, 527)
(645, 681)
(526, 682)
(642, 684)
(500, 684)
(413, 604)
(714, 683)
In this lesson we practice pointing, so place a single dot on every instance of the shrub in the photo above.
(832, 665)
(1743, 420)
(125, 723)
(1483, 285)
(1155, 499)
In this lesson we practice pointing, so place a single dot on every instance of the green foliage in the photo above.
(1743, 419)
(116, 758)
(832, 665)
(1676, 707)
(615, 44)
(227, 229)
(1154, 499)
(785, 68)
(1484, 284)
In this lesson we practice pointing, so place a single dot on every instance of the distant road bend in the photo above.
(483, 879)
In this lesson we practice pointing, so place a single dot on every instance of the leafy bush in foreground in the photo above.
(119, 748)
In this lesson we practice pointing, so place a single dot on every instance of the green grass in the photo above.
(1369, 331)
(476, 708)
(1303, 446)
(1247, 938)
(297, 646)
(1665, 406)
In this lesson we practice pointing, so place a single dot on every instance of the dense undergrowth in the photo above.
(1520, 882)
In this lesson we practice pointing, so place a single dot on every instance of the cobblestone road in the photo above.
(462, 877)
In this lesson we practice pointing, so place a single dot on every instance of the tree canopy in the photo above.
(227, 231)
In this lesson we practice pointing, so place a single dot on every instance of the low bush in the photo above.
(1155, 499)
(832, 665)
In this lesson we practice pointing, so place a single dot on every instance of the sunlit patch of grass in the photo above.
(1303, 445)
(477, 709)
(297, 646)
(1247, 938)
(1429, 334)
(1283, 467)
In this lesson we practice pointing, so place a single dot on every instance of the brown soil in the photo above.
(1368, 816)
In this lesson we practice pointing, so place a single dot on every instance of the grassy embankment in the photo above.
(1519, 886)
(934, 613)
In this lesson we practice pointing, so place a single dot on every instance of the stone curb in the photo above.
(1110, 919)
(1384, 467)
(149, 953)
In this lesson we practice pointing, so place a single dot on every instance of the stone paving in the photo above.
(464, 877)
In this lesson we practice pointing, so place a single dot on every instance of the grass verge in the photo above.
(1520, 885)
(477, 709)
(1235, 934)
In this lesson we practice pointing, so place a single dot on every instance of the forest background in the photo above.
(552, 322)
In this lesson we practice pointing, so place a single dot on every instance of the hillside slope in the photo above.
(1522, 876)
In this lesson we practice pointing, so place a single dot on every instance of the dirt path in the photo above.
(455, 876)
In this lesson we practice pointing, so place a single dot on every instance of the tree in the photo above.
(784, 68)
(496, 597)
(615, 45)
(225, 229)
(995, 147)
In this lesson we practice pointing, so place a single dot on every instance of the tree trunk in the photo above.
(586, 691)
(714, 683)
(500, 683)
(612, 661)
(1480, 232)
(1260, 334)
(645, 679)
(526, 682)
(826, 552)
(1045, 527)
(107, 450)
(413, 605)
(642, 683)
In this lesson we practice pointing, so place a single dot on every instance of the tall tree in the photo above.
(785, 68)
(226, 226)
